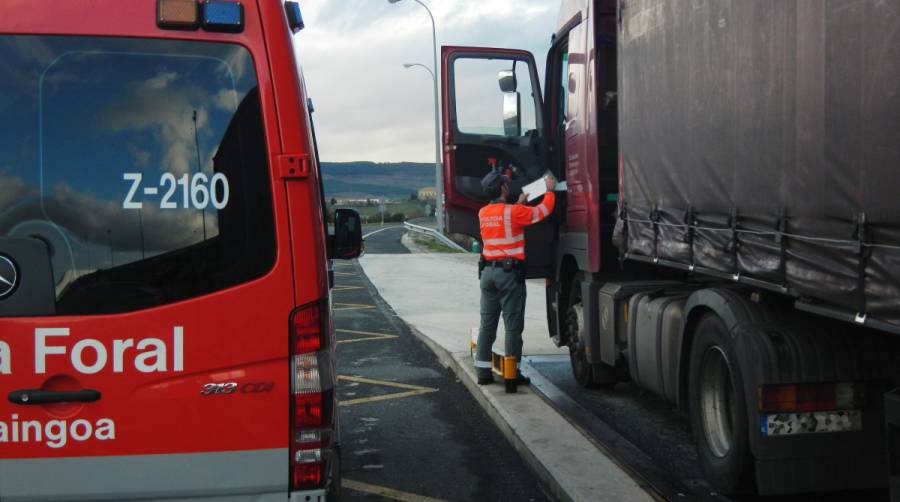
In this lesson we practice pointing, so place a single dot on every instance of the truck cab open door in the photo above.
(493, 116)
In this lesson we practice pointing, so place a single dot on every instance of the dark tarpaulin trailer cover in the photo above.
(761, 139)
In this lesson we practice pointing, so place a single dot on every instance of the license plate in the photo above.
(787, 424)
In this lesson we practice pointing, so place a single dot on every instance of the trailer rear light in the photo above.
(177, 14)
(811, 397)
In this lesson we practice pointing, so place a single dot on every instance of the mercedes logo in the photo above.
(8, 277)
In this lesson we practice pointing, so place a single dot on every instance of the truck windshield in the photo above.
(140, 163)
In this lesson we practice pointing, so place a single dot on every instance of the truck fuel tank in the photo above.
(613, 313)
(654, 341)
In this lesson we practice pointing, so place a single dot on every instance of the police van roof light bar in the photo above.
(294, 17)
(212, 15)
(177, 14)
(223, 16)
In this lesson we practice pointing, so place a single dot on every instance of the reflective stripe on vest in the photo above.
(505, 240)
(517, 253)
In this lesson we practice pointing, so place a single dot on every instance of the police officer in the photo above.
(502, 268)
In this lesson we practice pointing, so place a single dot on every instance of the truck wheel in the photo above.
(581, 368)
(718, 410)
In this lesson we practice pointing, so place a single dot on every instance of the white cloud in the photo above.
(96, 220)
(166, 108)
(368, 107)
(12, 190)
(88, 217)
(160, 81)
(226, 99)
(140, 157)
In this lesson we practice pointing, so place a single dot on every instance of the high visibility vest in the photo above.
(503, 227)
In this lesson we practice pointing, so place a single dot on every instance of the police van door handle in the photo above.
(38, 396)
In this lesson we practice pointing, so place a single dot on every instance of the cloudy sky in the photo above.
(368, 106)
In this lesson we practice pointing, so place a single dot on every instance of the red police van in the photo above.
(164, 282)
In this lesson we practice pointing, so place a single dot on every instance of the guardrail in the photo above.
(437, 235)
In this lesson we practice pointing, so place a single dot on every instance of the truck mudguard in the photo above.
(759, 142)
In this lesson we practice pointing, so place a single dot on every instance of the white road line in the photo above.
(382, 230)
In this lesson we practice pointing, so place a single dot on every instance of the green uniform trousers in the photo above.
(501, 293)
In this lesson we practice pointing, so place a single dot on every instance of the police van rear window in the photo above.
(139, 164)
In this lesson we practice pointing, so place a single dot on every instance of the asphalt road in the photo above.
(411, 431)
(384, 239)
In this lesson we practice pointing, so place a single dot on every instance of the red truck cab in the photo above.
(165, 312)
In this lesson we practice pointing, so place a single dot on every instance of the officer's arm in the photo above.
(526, 215)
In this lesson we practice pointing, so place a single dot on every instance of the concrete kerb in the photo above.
(461, 365)
(411, 245)
(562, 482)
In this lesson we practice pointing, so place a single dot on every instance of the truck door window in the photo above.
(479, 99)
(141, 163)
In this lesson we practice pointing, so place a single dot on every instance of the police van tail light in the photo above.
(308, 471)
(310, 328)
(309, 396)
(312, 395)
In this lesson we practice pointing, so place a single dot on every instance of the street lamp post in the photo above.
(438, 211)
(438, 172)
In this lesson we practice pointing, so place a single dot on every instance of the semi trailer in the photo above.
(729, 234)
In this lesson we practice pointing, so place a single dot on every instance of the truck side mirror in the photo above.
(512, 120)
(507, 80)
(347, 242)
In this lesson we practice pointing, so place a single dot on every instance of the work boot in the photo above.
(484, 377)
(522, 379)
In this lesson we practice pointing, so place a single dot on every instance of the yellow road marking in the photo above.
(384, 382)
(368, 336)
(351, 306)
(345, 274)
(414, 390)
(341, 287)
(385, 397)
(357, 332)
(383, 491)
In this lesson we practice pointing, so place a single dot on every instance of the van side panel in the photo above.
(308, 228)
(243, 475)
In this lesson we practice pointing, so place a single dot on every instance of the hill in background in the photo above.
(372, 180)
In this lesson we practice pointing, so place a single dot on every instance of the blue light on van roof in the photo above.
(294, 17)
(223, 16)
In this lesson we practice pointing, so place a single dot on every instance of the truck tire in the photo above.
(718, 410)
(574, 324)
(588, 375)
